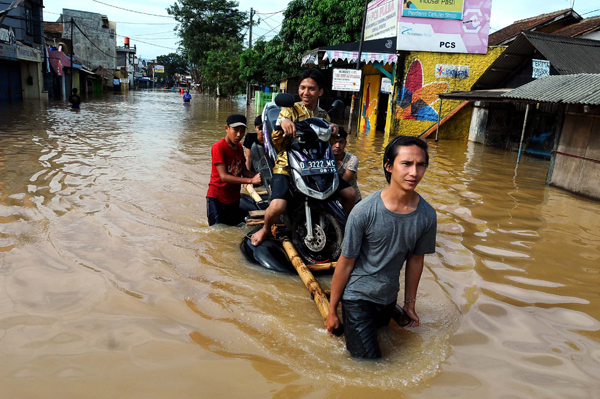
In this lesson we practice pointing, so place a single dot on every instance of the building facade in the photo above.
(21, 49)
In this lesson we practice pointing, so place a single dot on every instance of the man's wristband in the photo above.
(410, 300)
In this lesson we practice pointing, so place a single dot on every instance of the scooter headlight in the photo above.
(300, 185)
(322, 133)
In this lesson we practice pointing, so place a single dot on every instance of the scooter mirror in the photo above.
(284, 100)
(338, 105)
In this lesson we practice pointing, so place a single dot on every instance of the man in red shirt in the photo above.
(228, 174)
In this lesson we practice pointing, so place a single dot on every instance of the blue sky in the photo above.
(154, 36)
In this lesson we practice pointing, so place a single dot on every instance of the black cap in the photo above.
(342, 133)
(258, 121)
(236, 120)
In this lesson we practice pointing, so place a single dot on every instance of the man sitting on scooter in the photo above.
(311, 86)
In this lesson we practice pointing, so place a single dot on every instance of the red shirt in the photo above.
(234, 160)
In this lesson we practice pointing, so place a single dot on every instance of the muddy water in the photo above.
(113, 285)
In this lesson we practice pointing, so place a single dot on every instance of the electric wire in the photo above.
(138, 12)
(269, 13)
(117, 22)
(90, 40)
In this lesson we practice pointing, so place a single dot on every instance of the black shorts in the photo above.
(218, 212)
(280, 186)
(362, 319)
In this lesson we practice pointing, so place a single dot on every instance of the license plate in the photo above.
(318, 167)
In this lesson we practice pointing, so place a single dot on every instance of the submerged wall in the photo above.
(577, 158)
(424, 76)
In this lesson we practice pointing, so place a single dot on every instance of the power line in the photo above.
(155, 33)
(117, 22)
(139, 12)
(269, 13)
(138, 40)
(90, 40)
(589, 12)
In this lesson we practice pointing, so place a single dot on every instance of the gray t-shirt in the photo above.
(350, 162)
(381, 241)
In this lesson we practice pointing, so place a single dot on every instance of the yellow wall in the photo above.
(427, 88)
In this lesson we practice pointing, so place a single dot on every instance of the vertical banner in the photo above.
(437, 31)
(370, 103)
(382, 19)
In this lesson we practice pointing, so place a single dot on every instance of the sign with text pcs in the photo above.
(346, 79)
(159, 69)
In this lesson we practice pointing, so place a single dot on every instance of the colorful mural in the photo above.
(416, 91)
(415, 99)
(370, 102)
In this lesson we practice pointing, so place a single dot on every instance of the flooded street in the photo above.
(113, 285)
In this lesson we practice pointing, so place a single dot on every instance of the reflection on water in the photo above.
(109, 272)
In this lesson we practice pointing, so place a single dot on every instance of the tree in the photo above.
(221, 67)
(203, 22)
(309, 24)
(173, 63)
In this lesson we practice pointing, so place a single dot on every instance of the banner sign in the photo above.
(382, 19)
(8, 51)
(438, 9)
(452, 71)
(386, 85)
(466, 35)
(159, 68)
(346, 79)
(541, 68)
(28, 54)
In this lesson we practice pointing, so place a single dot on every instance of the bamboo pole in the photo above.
(322, 267)
(259, 213)
(253, 193)
(309, 281)
(255, 222)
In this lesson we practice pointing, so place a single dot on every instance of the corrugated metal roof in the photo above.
(566, 54)
(582, 88)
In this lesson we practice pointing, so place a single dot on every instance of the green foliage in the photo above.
(173, 63)
(309, 24)
(203, 22)
(212, 31)
(221, 67)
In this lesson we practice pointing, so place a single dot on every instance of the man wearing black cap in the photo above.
(228, 173)
(252, 138)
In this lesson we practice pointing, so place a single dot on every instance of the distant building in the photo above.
(94, 38)
(21, 49)
(126, 64)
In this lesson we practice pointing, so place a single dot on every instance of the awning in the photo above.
(380, 50)
(477, 95)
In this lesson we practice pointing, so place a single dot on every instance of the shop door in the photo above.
(10, 81)
(370, 103)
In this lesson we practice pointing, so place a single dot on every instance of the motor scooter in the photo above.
(314, 218)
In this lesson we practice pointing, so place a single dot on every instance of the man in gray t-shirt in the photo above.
(383, 231)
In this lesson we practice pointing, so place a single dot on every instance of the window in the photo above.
(28, 21)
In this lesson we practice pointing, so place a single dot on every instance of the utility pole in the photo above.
(362, 39)
(72, 45)
(249, 46)
(250, 36)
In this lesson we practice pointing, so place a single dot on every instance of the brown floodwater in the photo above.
(113, 285)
